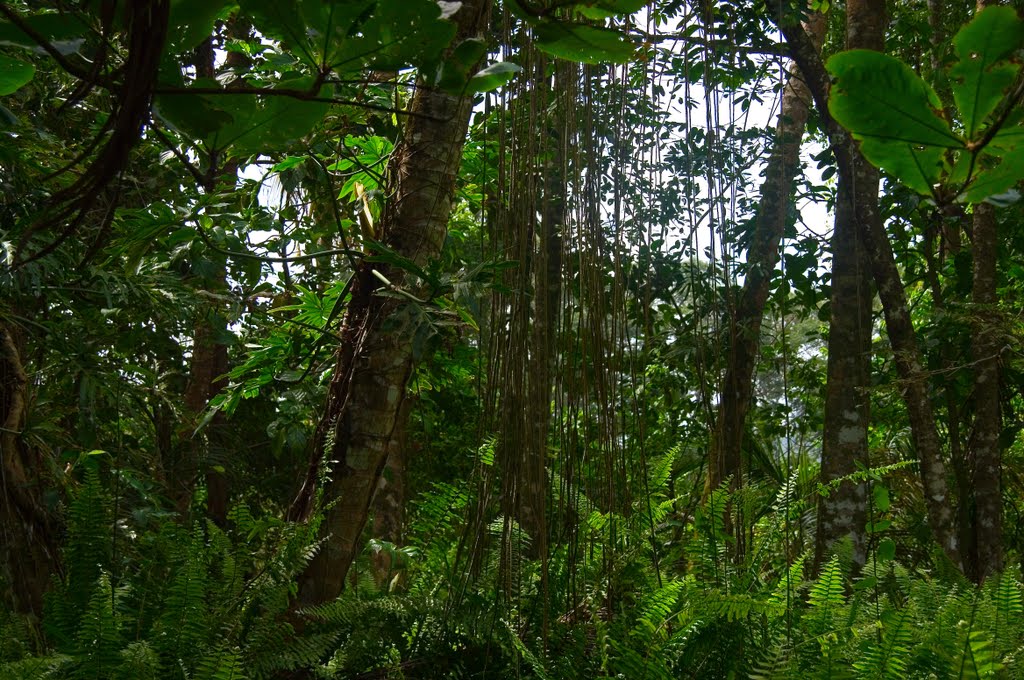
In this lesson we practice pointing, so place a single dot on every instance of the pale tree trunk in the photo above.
(745, 326)
(376, 355)
(899, 327)
(29, 551)
(843, 513)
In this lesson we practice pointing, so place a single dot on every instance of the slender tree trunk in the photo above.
(376, 356)
(987, 552)
(762, 256)
(208, 364)
(209, 360)
(29, 552)
(847, 404)
(899, 327)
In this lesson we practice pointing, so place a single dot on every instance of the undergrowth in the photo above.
(201, 602)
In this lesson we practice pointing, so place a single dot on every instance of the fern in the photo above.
(976, 657)
(86, 555)
(887, 658)
(773, 665)
(657, 608)
(99, 640)
(220, 665)
(528, 656)
(827, 592)
(1007, 596)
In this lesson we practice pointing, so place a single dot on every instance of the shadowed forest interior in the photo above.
(511, 339)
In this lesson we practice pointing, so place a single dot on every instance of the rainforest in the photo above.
(542, 339)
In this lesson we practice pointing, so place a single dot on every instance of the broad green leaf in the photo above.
(14, 74)
(587, 44)
(289, 162)
(886, 550)
(1008, 139)
(984, 73)
(246, 123)
(283, 21)
(353, 35)
(64, 31)
(194, 115)
(191, 22)
(879, 526)
(917, 166)
(494, 76)
(893, 113)
(997, 179)
(879, 97)
(881, 495)
(455, 71)
(605, 9)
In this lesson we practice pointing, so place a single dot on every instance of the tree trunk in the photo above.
(389, 501)
(899, 327)
(762, 256)
(208, 364)
(987, 552)
(843, 513)
(847, 404)
(209, 359)
(376, 355)
(29, 552)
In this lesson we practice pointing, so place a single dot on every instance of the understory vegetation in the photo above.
(521, 339)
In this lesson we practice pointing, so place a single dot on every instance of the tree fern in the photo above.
(1007, 596)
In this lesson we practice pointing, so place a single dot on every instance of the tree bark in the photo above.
(207, 367)
(847, 404)
(843, 513)
(745, 326)
(209, 361)
(899, 327)
(29, 551)
(987, 552)
(376, 355)
(389, 501)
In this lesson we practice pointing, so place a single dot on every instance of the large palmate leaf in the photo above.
(984, 72)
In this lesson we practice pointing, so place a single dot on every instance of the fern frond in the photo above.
(887, 658)
(828, 591)
(99, 639)
(976, 657)
(220, 665)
